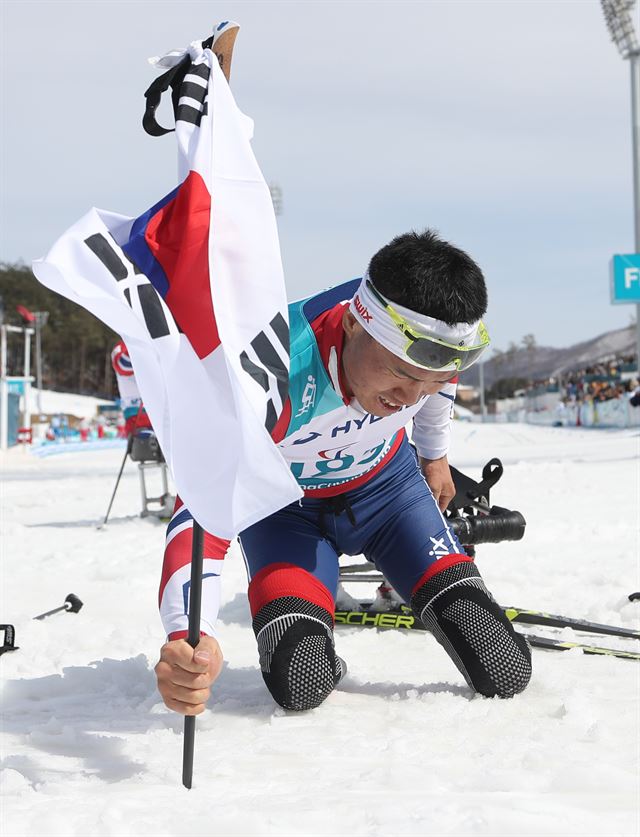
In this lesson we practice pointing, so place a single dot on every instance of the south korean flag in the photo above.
(195, 288)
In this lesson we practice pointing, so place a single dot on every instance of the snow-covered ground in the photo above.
(402, 747)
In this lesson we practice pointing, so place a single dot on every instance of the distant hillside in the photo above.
(540, 362)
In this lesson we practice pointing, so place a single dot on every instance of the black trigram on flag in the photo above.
(119, 266)
(192, 101)
(270, 370)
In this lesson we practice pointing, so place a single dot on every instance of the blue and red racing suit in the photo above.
(134, 412)
(363, 490)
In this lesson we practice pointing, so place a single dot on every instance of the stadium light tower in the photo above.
(619, 20)
(276, 197)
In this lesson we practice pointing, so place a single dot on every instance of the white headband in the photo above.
(377, 322)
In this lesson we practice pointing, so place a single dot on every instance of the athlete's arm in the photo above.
(438, 476)
(431, 434)
(185, 674)
(432, 423)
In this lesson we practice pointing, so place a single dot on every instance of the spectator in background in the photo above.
(560, 414)
(83, 427)
(134, 425)
(135, 415)
(121, 426)
(56, 426)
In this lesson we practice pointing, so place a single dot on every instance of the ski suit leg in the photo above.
(292, 605)
(419, 555)
(453, 602)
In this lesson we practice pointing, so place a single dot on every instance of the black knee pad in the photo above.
(458, 609)
(297, 657)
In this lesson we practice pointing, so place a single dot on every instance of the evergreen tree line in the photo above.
(76, 347)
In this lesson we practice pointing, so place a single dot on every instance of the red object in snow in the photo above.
(27, 316)
(25, 435)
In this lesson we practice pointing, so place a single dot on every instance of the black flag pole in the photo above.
(193, 638)
(222, 45)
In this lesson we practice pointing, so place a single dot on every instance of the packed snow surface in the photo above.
(402, 746)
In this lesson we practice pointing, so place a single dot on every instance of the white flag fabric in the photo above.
(195, 288)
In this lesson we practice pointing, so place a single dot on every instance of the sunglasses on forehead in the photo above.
(430, 351)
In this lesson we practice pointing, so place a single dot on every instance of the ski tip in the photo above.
(549, 644)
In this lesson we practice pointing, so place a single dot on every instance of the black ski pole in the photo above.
(72, 604)
(126, 453)
(113, 496)
(193, 638)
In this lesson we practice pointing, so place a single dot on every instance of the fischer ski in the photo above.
(537, 617)
(404, 619)
(561, 645)
(401, 617)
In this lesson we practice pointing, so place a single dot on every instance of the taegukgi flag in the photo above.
(195, 287)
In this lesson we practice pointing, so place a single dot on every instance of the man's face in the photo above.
(381, 381)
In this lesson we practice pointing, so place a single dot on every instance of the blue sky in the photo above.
(504, 125)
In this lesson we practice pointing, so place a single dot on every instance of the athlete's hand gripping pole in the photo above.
(195, 604)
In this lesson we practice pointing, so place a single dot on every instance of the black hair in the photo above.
(430, 276)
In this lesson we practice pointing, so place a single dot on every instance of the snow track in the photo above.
(403, 746)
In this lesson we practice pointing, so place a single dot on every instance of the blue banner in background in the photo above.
(625, 278)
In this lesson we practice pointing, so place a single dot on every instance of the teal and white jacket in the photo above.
(331, 444)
